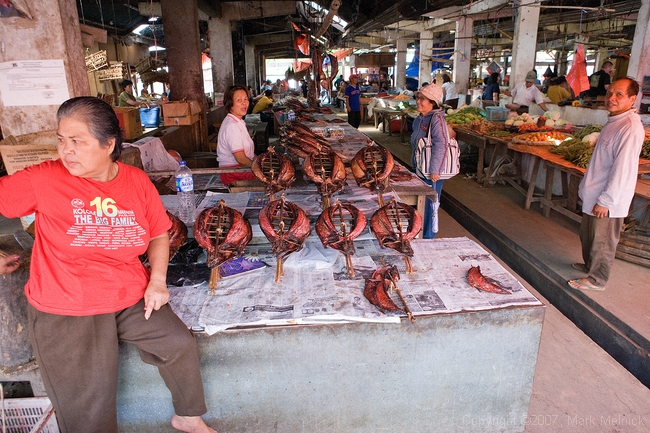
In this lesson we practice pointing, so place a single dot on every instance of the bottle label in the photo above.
(184, 184)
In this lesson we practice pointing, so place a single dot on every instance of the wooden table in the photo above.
(479, 141)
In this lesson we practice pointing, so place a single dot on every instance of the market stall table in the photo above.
(479, 141)
(312, 354)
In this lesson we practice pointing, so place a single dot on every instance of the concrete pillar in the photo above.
(601, 56)
(221, 49)
(639, 65)
(462, 54)
(426, 51)
(524, 42)
(251, 78)
(400, 63)
(183, 45)
(51, 33)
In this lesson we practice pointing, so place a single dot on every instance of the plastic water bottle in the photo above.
(292, 116)
(185, 193)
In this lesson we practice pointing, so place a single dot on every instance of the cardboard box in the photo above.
(129, 119)
(181, 113)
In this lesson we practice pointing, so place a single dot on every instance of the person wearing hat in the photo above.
(431, 116)
(353, 101)
(126, 98)
(525, 94)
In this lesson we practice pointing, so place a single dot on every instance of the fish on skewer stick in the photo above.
(224, 233)
(327, 170)
(371, 168)
(338, 226)
(395, 225)
(378, 288)
(177, 234)
(275, 170)
(287, 227)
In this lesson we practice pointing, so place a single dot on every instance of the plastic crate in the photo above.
(496, 114)
(28, 415)
(150, 117)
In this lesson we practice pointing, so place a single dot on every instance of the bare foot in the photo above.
(191, 424)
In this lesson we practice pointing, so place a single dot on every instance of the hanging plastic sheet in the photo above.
(577, 76)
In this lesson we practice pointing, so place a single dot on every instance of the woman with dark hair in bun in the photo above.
(87, 289)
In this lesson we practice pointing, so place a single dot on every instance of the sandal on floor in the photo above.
(580, 267)
(585, 284)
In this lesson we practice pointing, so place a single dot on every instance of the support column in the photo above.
(400, 63)
(462, 54)
(183, 46)
(601, 57)
(524, 42)
(221, 49)
(22, 39)
(251, 79)
(426, 50)
(639, 65)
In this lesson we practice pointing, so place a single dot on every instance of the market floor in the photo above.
(578, 387)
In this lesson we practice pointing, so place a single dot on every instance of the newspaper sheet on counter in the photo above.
(316, 289)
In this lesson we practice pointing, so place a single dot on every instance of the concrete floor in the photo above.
(577, 387)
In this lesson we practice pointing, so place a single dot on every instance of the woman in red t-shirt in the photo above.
(87, 289)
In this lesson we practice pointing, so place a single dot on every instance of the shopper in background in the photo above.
(491, 91)
(353, 101)
(340, 97)
(559, 90)
(126, 98)
(449, 92)
(303, 87)
(525, 94)
(607, 189)
(235, 147)
(431, 116)
(263, 102)
(88, 290)
(600, 80)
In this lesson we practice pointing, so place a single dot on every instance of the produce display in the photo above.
(578, 150)
(338, 226)
(286, 226)
(483, 126)
(542, 137)
(275, 170)
(395, 225)
(464, 115)
(645, 150)
(224, 233)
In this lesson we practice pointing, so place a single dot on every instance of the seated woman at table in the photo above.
(431, 117)
(88, 291)
(235, 147)
(559, 90)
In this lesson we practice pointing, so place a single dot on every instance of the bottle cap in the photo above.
(182, 162)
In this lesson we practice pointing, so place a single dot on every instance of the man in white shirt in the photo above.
(607, 188)
(525, 93)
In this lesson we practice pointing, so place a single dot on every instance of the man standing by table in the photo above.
(353, 101)
(608, 186)
(525, 93)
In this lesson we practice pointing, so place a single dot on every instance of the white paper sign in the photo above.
(33, 82)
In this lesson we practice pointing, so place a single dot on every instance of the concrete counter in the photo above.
(465, 372)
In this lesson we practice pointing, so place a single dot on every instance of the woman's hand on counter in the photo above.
(9, 264)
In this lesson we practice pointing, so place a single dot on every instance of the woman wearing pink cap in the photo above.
(431, 116)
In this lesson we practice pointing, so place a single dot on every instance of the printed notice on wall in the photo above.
(33, 82)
